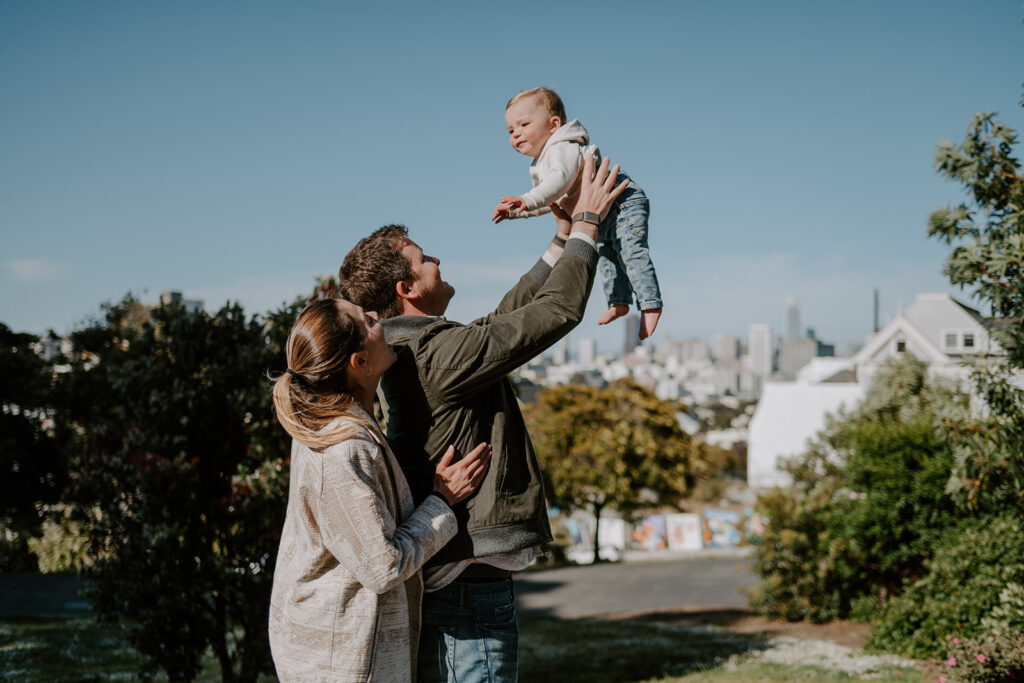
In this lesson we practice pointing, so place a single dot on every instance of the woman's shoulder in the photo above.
(355, 437)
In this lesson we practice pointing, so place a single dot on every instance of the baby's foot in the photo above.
(614, 311)
(648, 321)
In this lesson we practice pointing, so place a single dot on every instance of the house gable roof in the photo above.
(899, 326)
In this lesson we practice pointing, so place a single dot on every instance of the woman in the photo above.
(345, 604)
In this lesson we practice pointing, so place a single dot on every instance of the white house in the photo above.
(788, 416)
(934, 328)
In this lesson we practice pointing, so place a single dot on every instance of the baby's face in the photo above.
(529, 126)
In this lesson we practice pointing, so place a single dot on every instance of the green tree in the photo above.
(181, 456)
(987, 235)
(32, 472)
(620, 447)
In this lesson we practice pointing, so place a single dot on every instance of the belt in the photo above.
(479, 572)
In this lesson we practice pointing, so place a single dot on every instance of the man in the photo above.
(450, 386)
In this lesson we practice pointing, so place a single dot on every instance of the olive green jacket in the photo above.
(450, 386)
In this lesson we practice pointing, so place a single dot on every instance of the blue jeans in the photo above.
(469, 634)
(624, 259)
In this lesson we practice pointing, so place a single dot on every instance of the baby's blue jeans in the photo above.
(624, 258)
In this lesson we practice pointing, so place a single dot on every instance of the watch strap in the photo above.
(587, 217)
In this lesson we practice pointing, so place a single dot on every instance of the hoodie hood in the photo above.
(570, 132)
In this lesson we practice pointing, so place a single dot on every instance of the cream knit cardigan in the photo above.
(345, 604)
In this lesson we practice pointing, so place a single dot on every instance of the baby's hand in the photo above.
(501, 211)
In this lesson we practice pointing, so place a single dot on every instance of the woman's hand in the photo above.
(459, 481)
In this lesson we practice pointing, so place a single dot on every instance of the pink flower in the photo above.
(951, 661)
(956, 641)
(981, 659)
(942, 679)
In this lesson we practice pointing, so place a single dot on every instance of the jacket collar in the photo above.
(403, 326)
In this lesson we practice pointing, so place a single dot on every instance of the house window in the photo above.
(968, 341)
(901, 346)
(951, 340)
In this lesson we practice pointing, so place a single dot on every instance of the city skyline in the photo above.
(236, 153)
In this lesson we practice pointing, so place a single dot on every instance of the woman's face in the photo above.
(376, 350)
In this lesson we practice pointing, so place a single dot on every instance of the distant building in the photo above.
(759, 352)
(792, 319)
(631, 338)
(587, 352)
(725, 349)
(191, 305)
(561, 353)
(796, 353)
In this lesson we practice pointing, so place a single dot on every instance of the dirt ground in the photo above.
(844, 633)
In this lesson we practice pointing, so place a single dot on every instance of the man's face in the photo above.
(433, 292)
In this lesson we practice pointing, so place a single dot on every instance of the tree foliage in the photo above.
(619, 446)
(180, 456)
(988, 259)
(32, 472)
(988, 232)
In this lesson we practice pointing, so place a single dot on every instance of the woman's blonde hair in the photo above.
(311, 396)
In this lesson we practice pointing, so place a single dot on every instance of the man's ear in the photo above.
(404, 289)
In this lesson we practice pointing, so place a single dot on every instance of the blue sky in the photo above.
(233, 151)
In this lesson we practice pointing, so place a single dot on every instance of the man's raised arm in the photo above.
(528, 285)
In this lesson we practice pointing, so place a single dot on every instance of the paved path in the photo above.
(568, 592)
(42, 595)
(572, 592)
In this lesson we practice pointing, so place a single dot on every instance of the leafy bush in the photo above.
(63, 544)
(968, 580)
(867, 507)
(14, 553)
(990, 659)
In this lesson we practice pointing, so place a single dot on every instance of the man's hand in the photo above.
(598, 192)
(563, 219)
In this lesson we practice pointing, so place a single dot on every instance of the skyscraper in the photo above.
(632, 338)
(561, 353)
(759, 346)
(725, 348)
(792, 319)
(587, 351)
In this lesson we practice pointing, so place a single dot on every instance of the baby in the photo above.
(537, 128)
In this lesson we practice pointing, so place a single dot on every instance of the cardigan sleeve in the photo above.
(359, 529)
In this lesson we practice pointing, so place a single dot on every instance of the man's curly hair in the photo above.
(370, 271)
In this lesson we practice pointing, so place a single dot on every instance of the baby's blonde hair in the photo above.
(547, 97)
(315, 393)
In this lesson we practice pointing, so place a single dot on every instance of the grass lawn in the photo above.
(77, 649)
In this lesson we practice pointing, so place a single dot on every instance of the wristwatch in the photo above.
(587, 217)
